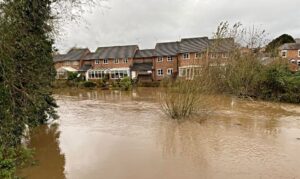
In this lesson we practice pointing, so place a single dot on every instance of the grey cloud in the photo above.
(145, 22)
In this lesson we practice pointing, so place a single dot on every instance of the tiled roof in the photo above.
(145, 53)
(73, 55)
(142, 66)
(221, 45)
(290, 46)
(85, 67)
(116, 52)
(166, 49)
(90, 56)
(199, 44)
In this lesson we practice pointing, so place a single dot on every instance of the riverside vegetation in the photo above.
(243, 76)
(26, 73)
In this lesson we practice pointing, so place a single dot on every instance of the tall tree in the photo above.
(273, 46)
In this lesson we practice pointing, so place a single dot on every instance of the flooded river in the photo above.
(125, 135)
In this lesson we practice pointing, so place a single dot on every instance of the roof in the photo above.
(90, 56)
(142, 67)
(221, 45)
(73, 55)
(147, 53)
(166, 49)
(198, 44)
(85, 67)
(290, 46)
(116, 52)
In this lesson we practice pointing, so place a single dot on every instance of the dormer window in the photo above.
(116, 61)
(159, 59)
(170, 58)
(105, 61)
(284, 53)
(97, 61)
(186, 56)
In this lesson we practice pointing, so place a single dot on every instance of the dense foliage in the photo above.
(26, 73)
(274, 44)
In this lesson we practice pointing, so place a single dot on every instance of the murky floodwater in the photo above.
(124, 135)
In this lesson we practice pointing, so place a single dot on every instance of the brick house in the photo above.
(111, 62)
(291, 52)
(196, 52)
(142, 69)
(70, 62)
(165, 61)
(192, 55)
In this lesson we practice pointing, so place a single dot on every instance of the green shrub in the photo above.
(89, 84)
(125, 84)
(72, 76)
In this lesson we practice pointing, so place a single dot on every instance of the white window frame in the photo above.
(97, 61)
(116, 61)
(225, 55)
(105, 61)
(160, 59)
(298, 53)
(213, 55)
(198, 55)
(186, 56)
(284, 51)
(169, 58)
(170, 70)
(298, 63)
(158, 72)
(125, 60)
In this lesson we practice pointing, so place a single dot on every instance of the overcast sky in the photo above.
(146, 22)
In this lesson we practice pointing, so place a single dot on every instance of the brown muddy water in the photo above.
(124, 135)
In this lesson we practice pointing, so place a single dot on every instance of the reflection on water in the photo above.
(113, 134)
(51, 162)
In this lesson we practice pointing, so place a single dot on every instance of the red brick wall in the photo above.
(164, 65)
(111, 63)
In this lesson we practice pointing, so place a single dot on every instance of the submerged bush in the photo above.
(125, 84)
(89, 84)
(181, 98)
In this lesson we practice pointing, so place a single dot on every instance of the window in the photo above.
(198, 55)
(298, 62)
(105, 61)
(224, 55)
(170, 58)
(75, 63)
(119, 74)
(182, 72)
(186, 56)
(96, 74)
(67, 63)
(298, 53)
(160, 72)
(284, 53)
(213, 55)
(97, 61)
(170, 71)
(293, 61)
(126, 60)
(116, 61)
(160, 59)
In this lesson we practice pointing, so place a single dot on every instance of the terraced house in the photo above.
(111, 62)
(70, 62)
(167, 60)
(291, 52)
